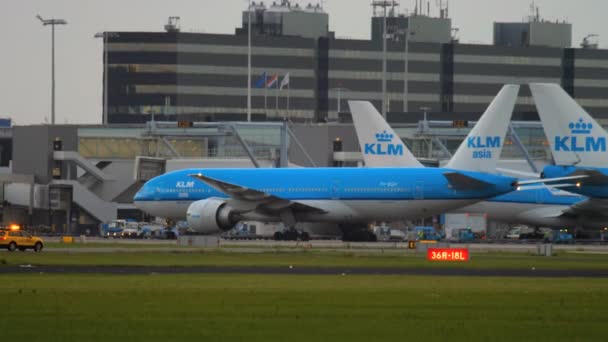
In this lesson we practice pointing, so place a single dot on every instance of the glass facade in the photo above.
(127, 143)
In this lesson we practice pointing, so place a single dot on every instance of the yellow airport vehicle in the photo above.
(13, 238)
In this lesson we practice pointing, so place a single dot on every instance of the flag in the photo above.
(272, 81)
(285, 81)
(261, 82)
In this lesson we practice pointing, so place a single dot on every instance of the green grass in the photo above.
(300, 308)
(122, 245)
(309, 258)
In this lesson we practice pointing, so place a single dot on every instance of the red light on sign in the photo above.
(447, 254)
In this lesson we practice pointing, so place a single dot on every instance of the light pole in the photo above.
(339, 99)
(425, 125)
(52, 22)
(384, 64)
(249, 61)
(105, 36)
(406, 32)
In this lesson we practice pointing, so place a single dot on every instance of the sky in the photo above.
(25, 57)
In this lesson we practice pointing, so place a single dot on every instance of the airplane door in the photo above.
(335, 189)
(419, 190)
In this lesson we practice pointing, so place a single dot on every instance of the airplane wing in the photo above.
(593, 206)
(247, 199)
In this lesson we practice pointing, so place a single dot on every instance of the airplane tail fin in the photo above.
(480, 151)
(380, 145)
(574, 136)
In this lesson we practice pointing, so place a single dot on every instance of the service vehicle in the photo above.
(131, 230)
(14, 238)
(112, 229)
(561, 236)
(428, 233)
(463, 235)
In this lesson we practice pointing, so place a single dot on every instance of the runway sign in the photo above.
(447, 254)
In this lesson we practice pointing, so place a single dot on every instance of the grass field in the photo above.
(300, 308)
(310, 258)
(125, 245)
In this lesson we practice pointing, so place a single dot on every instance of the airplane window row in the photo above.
(189, 190)
(270, 190)
(356, 190)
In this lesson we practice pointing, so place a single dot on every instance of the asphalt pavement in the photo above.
(340, 271)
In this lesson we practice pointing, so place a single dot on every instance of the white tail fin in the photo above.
(380, 145)
(575, 138)
(480, 150)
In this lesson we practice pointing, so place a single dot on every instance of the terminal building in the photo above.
(175, 75)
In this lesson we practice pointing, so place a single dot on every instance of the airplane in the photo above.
(214, 200)
(534, 206)
(578, 145)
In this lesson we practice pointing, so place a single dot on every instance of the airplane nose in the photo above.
(143, 194)
(138, 196)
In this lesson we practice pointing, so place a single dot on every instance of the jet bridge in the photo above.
(86, 165)
(93, 171)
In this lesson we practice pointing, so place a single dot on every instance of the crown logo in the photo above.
(580, 127)
(384, 137)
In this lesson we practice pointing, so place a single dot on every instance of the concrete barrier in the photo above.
(545, 249)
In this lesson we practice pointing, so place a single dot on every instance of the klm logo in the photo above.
(580, 139)
(383, 146)
(480, 142)
(182, 184)
(482, 146)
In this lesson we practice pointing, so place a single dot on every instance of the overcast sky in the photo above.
(25, 73)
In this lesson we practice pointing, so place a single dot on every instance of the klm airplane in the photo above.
(214, 200)
(578, 145)
(535, 206)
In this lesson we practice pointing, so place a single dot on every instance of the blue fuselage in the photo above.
(323, 183)
(382, 193)
(362, 189)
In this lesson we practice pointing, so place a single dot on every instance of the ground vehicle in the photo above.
(427, 233)
(385, 233)
(516, 232)
(560, 236)
(151, 231)
(13, 239)
(131, 229)
(112, 229)
(463, 235)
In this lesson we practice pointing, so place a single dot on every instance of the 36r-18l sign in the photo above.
(447, 254)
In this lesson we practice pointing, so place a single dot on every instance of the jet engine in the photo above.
(211, 215)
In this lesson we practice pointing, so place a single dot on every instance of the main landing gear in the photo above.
(291, 234)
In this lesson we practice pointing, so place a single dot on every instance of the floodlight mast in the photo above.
(52, 22)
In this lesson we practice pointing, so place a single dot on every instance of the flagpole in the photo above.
(288, 91)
